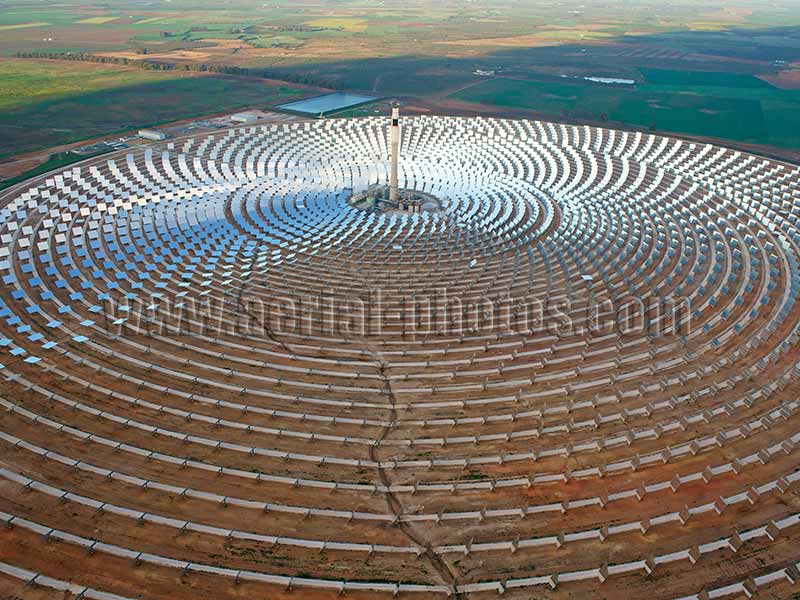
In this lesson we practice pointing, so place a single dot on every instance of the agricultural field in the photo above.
(289, 32)
(730, 69)
(28, 82)
(722, 105)
(50, 103)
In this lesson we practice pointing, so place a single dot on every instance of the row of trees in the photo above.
(296, 28)
(154, 65)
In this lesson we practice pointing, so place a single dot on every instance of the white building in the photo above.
(244, 118)
(152, 134)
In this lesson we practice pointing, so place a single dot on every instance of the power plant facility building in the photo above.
(244, 117)
(152, 135)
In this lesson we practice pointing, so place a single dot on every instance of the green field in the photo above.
(699, 70)
(48, 105)
(687, 79)
(725, 105)
(28, 82)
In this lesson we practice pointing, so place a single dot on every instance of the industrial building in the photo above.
(244, 117)
(152, 135)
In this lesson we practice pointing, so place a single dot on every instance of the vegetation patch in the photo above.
(97, 20)
(722, 105)
(688, 79)
(45, 108)
(341, 23)
(56, 161)
(33, 81)
(23, 25)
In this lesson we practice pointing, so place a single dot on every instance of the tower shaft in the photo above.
(395, 140)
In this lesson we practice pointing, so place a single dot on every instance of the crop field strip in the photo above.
(431, 51)
(450, 462)
(54, 102)
(716, 104)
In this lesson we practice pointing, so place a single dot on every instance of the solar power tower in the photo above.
(395, 133)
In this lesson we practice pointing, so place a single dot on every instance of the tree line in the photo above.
(154, 65)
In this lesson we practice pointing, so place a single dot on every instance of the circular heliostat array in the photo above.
(577, 379)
